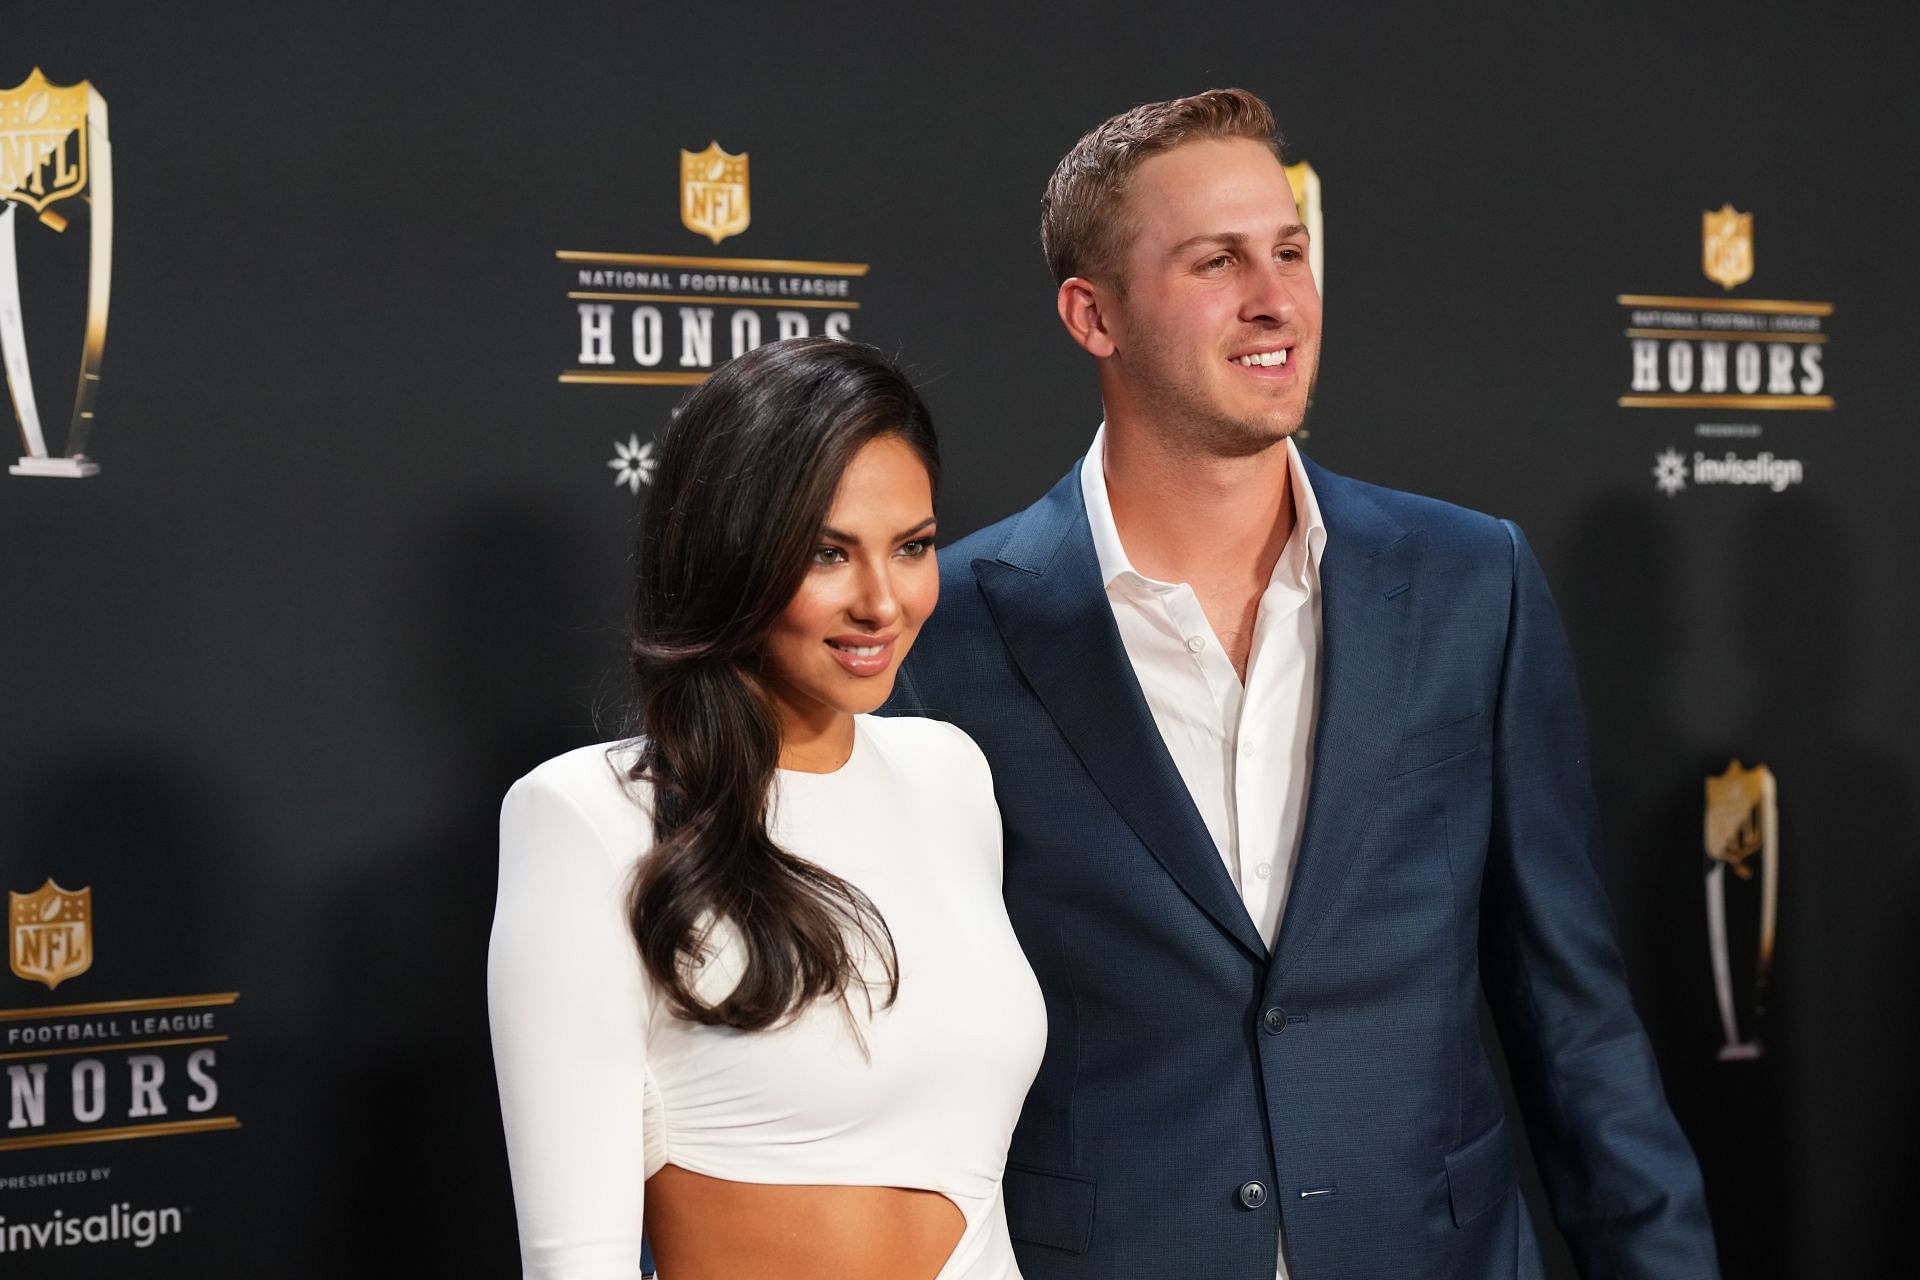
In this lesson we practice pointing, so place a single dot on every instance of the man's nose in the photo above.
(1269, 295)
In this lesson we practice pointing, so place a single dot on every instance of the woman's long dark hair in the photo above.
(747, 476)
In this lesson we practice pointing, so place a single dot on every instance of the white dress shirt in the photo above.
(1244, 751)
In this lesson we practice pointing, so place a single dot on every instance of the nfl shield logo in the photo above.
(1726, 246)
(51, 938)
(713, 193)
(1734, 815)
(43, 141)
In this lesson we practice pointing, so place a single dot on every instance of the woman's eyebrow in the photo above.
(828, 531)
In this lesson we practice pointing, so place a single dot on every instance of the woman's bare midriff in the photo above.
(704, 1228)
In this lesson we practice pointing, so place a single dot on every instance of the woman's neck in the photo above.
(817, 743)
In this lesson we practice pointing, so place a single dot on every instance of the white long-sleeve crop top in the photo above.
(601, 1085)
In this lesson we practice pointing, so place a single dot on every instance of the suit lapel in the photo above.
(1369, 634)
(1050, 606)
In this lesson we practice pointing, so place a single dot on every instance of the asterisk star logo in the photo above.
(1670, 472)
(633, 462)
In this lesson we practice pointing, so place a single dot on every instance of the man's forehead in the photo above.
(1212, 186)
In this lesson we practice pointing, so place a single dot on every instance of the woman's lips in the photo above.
(861, 656)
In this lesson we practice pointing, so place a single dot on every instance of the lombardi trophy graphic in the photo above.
(1742, 820)
(56, 164)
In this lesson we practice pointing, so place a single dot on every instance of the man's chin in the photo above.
(1248, 437)
(1214, 426)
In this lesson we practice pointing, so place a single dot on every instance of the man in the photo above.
(1291, 767)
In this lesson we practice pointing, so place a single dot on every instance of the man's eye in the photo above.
(1218, 262)
(1289, 253)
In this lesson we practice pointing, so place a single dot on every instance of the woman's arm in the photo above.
(568, 1005)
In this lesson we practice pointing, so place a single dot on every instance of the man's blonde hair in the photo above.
(1084, 227)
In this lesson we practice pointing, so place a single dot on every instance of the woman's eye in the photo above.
(916, 548)
(829, 555)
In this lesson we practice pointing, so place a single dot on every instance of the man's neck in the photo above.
(1188, 518)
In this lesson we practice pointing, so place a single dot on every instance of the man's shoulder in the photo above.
(1026, 539)
(1447, 527)
(982, 544)
(961, 604)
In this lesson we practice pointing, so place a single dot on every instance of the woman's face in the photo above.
(872, 581)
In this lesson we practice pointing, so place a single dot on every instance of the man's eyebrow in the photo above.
(828, 531)
(1233, 239)
(1230, 239)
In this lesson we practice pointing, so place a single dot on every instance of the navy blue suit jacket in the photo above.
(1449, 845)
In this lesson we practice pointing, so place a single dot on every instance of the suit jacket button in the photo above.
(1253, 1194)
(1274, 1020)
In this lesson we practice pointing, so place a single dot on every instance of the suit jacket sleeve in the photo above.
(1623, 1182)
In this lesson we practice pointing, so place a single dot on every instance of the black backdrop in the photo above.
(356, 557)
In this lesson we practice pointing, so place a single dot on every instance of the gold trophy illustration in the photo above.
(57, 164)
(1743, 819)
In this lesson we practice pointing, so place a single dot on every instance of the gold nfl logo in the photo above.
(713, 193)
(43, 143)
(52, 935)
(1726, 246)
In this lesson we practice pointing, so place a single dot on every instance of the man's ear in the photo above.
(1081, 303)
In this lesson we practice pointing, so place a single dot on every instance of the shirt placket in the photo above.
(1214, 672)
(1259, 809)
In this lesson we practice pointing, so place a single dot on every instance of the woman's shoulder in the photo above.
(920, 731)
(588, 785)
(926, 745)
(585, 768)
(589, 774)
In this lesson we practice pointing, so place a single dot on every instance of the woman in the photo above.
(750, 979)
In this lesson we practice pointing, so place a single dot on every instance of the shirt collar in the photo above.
(1299, 561)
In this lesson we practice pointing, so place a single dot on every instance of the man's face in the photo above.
(1217, 334)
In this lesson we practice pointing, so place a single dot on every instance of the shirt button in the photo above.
(1274, 1020)
(1263, 869)
(1249, 746)
(1253, 1194)
(1196, 643)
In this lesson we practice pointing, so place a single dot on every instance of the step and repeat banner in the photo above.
(339, 349)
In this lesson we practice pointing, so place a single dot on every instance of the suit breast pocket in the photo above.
(1424, 748)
